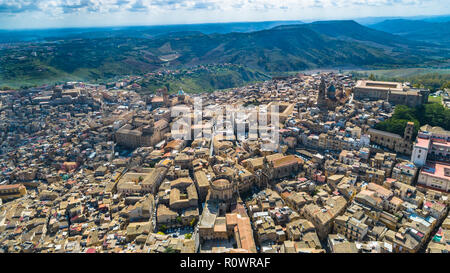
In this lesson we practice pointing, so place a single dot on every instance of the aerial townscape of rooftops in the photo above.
(89, 168)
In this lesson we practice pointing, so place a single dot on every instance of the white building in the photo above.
(435, 176)
(431, 143)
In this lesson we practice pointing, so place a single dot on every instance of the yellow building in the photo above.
(12, 191)
(392, 141)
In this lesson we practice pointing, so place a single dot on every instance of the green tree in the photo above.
(445, 85)
(170, 250)
(433, 114)
(163, 228)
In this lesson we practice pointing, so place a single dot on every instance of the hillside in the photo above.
(202, 78)
(279, 49)
(352, 31)
(283, 48)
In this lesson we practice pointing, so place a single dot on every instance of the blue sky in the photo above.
(84, 13)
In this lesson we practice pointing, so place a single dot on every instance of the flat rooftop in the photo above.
(393, 86)
(423, 143)
(437, 169)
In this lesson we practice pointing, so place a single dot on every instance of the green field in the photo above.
(435, 99)
(52, 76)
(403, 72)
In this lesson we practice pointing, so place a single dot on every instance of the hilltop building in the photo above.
(393, 92)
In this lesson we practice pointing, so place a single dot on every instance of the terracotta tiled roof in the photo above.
(287, 160)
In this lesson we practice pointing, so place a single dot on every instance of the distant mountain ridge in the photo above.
(295, 47)
(38, 35)
(368, 21)
(436, 32)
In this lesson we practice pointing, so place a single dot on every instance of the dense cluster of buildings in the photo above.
(91, 168)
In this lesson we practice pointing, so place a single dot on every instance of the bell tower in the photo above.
(409, 131)
(321, 98)
(165, 94)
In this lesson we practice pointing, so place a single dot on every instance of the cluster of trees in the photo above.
(2, 88)
(163, 228)
(433, 81)
(433, 114)
(254, 102)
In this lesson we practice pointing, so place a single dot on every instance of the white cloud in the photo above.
(65, 13)
(105, 6)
